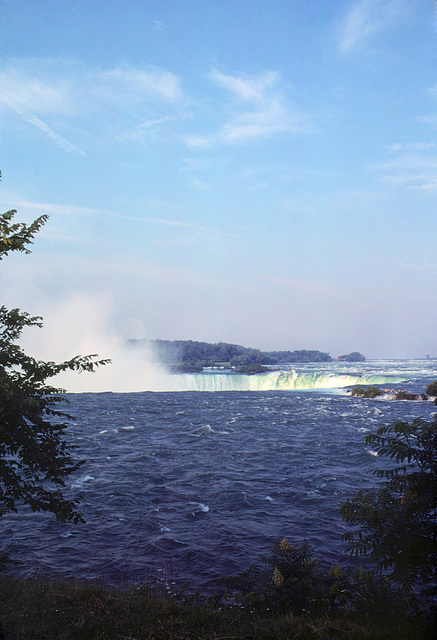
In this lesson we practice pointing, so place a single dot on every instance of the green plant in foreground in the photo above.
(398, 521)
(49, 610)
(35, 457)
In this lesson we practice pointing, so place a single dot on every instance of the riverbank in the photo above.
(34, 609)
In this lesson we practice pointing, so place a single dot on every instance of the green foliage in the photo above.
(431, 389)
(205, 354)
(297, 585)
(249, 358)
(303, 355)
(369, 392)
(296, 580)
(395, 524)
(251, 369)
(407, 395)
(355, 356)
(35, 458)
(53, 610)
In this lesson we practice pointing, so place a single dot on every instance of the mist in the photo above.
(82, 325)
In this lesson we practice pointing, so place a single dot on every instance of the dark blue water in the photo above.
(194, 486)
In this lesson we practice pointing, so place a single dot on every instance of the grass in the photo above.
(40, 609)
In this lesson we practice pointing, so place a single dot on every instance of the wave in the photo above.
(279, 381)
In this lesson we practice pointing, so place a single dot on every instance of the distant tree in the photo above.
(431, 389)
(395, 524)
(355, 356)
(35, 457)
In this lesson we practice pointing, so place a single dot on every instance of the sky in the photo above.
(256, 172)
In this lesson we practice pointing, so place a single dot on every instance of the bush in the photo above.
(398, 520)
(369, 392)
(431, 389)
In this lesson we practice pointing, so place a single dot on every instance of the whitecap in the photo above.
(127, 428)
(373, 453)
(81, 482)
(202, 431)
(200, 508)
(269, 499)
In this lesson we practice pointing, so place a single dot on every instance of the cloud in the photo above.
(61, 142)
(272, 118)
(26, 94)
(412, 165)
(127, 98)
(137, 84)
(141, 103)
(251, 89)
(58, 209)
(178, 223)
(425, 268)
(258, 110)
(430, 119)
(193, 230)
(159, 26)
(366, 18)
(34, 85)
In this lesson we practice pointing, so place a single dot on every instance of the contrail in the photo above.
(62, 143)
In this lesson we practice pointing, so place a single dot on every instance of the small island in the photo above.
(391, 394)
(355, 356)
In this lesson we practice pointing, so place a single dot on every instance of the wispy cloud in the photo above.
(412, 165)
(272, 118)
(138, 84)
(159, 26)
(302, 287)
(414, 146)
(366, 18)
(31, 118)
(26, 94)
(177, 223)
(250, 89)
(35, 85)
(258, 110)
(423, 267)
(68, 210)
(430, 119)
(58, 209)
(128, 101)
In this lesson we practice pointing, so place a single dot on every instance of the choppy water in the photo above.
(197, 485)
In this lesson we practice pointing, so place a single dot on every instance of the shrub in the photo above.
(431, 389)
(398, 520)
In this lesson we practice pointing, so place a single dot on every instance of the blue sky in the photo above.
(263, 172)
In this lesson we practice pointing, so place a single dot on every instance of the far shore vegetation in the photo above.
(189, 356)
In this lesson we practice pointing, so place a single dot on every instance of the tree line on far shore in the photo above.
(192, 356)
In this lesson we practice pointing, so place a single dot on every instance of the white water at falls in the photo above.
(277, 380)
